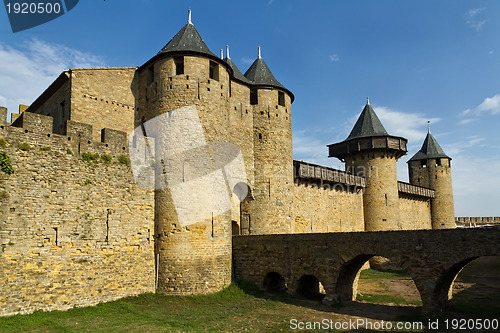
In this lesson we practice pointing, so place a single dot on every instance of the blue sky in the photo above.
(417, 60)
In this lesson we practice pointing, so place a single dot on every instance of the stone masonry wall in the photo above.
(414, 213)
(327, 209)
(103, 98)
(53, 106)
(72, 232)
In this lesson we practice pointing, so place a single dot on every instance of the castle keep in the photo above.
(76, 227)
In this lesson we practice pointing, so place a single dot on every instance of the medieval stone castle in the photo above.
(77, 229)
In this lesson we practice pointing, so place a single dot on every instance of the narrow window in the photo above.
(179, 65)
(108, 212)
(254, 99)
(423, 163)
(151, 75)
(57, 236)
(214, 70)
(438, 162)
(281, 98)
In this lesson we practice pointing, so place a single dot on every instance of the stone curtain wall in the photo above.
(333, 209)
(72, 232)
(414, 212)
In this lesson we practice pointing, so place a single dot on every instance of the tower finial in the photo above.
(367, 100)
(221, 53)
(189, 17)
(260, 57)
(227, 52)
(428, 126)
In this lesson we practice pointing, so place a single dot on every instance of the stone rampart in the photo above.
(73, 232)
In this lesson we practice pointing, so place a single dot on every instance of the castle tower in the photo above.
(182, 100)
(269, 211)
(371, 152)
(431, 167)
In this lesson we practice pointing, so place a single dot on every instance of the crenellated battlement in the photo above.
(36, 129)
(475, 221)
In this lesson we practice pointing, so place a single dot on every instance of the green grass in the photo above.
(386, 299)
(231, 310)
(372, 274)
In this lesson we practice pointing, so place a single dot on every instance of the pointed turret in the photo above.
(260, 75)
(187, 39)
(431, 167)
(368, 124)
(368, 134)
(430, 149)
(369, 151)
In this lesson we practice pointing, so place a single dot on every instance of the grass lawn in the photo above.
(242, 308)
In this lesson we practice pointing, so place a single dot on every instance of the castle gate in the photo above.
(433, 258)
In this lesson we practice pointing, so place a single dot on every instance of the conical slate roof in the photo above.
(260, 75)
(236, 72)
(367, 124)
(430, 149)
(187, 39)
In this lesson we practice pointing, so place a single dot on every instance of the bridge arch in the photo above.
(274, 282)
(309, 286)
(443, 290)
(345, 286)
(347, 280)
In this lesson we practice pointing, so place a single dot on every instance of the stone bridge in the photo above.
(299, 262)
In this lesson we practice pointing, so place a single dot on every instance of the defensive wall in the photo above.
(475, 221)
(72, 232)
(330, 200)
(300, 262)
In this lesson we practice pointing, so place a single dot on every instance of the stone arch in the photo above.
(274, 283)
(346, 279)
(309, 286)
(444, 285)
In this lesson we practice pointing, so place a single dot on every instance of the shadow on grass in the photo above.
(367, 310)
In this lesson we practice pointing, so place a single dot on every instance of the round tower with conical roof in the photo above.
(431, 167)
(271, 205)
(369, 151)
(182, 101)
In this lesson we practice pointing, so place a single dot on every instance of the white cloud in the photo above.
(454, 149)
(412, 126)
(309, 147)
(334, 58)
(29, 68)
(490, 105)
(468, 121)
(474, 18)
(247, 61)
